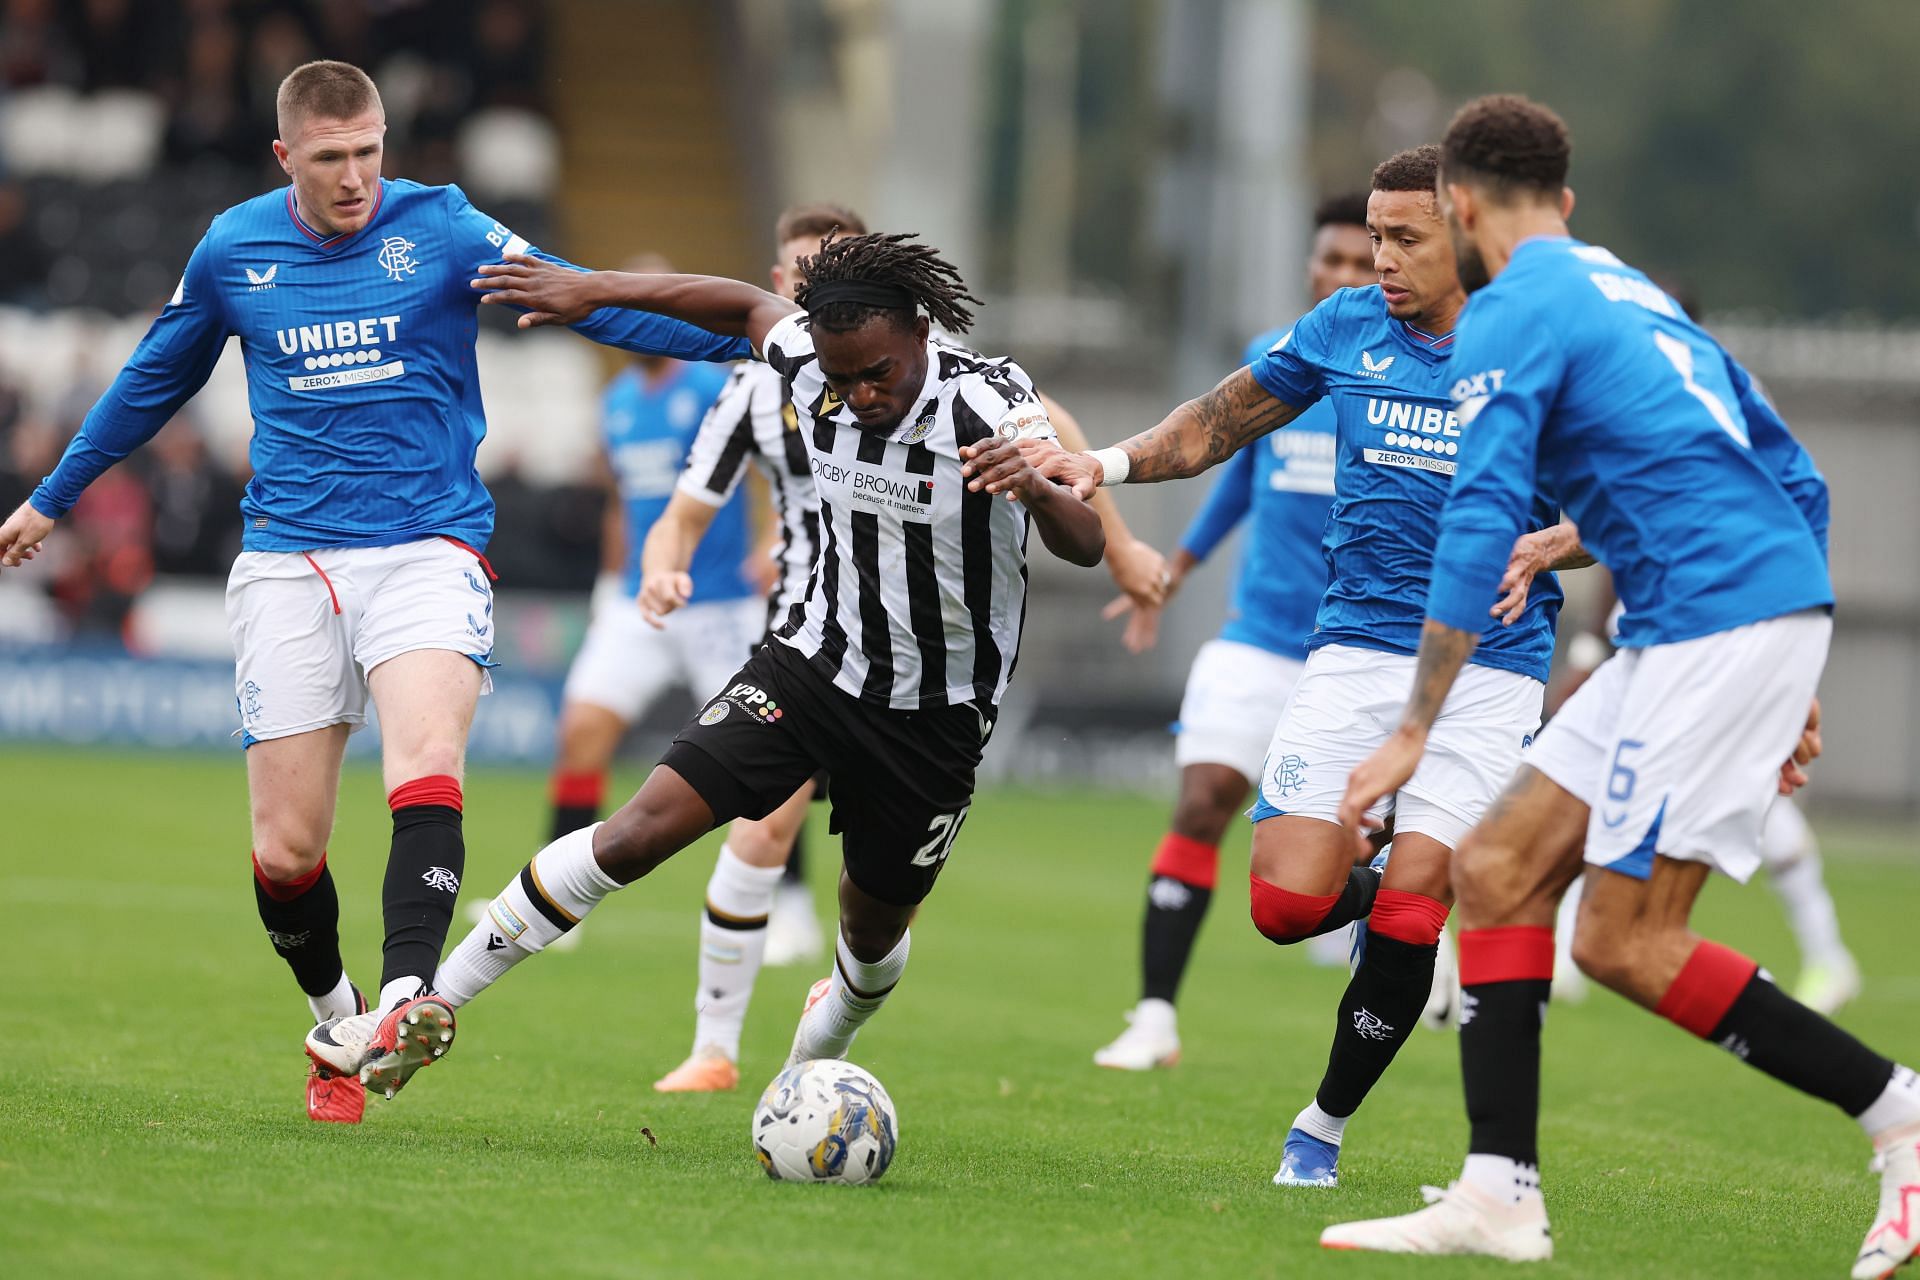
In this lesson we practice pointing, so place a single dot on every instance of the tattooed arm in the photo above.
(1443, 651)
(1197, 435)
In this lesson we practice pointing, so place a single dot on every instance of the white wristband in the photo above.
(1114, 465)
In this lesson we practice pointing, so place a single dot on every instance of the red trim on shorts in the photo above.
(1408, 917)
(1710, 981)
(484, 563)
(331, 593)
(1512, 953)
(1191, 862)
(578, 790)
(288, 890)
(1283, 915)
(439, 788)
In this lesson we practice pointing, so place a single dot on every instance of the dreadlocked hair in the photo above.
(896, 260)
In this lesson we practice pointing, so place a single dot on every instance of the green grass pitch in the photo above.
(151, 1120)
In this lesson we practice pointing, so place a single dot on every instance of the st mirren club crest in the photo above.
(922, 428)
(396, 257)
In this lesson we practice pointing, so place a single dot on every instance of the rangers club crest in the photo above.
(396, 257)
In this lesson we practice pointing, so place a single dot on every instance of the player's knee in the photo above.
(1413, 918)
(1207, 804)
(1483, 884)
(758, 844)
(1283, 916)
(640, 836)
(281, 861)
(871, 937)
(1604, 955)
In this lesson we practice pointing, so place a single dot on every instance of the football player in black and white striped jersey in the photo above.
(754, 424)
(889, 673)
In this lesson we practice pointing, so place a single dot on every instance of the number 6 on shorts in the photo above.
(942, 830)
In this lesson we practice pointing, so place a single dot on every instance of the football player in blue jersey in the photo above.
(361, 572)
(1380, 355)
(1239, 682)
(1578, 374)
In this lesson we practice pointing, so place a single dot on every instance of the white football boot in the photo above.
(1895, 1235)
(1828, 987)
(793, 930)
(1460, 1219)
(1151, 1040)
(1443, 1002)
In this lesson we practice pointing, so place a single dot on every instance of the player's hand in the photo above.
(663, 592)
(1374, 779)
(1143, 624)
(22, 534)
(1140, 572)
(1001, 466)
(1793, 774)
(1533, 554)
(763, 570)
(1080, 472)
(550, 293)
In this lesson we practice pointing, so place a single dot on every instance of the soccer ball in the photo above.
(824, 1121)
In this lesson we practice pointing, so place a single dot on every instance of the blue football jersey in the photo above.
(1399, 444)
(361, 377)
(1282, 484)
(648, 428)
(1578, 375)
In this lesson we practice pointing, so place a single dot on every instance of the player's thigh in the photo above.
(589, 736)
(624, 663)
(667, 814)
(757, 741)
(292, 644)
(902, 788)
(712, 640)
(425, 698)
(1419, 864)
(1517, 862)
(768, 842)
(1692, 766)
(1234, 696)
(292, 785)
(1472, 752)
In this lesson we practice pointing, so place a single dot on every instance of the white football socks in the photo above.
(551, 894)
(859, 989)
(337, 1003)
(1506, 1180)
(1320, 1124)
(1897, 1107)
(733, 942)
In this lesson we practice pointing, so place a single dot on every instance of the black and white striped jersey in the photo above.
(920, 589)
(754, 421)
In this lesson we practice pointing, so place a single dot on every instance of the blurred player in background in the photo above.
(1662, 767)
(360, 574)
(747, 920)
(1239, 682)
(1380, 355)
(890, 674)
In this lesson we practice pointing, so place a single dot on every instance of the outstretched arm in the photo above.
(554, 294)
(1138, 569)
(1068, 526)
(1200, 433)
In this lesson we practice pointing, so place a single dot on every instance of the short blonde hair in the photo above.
(331, 90)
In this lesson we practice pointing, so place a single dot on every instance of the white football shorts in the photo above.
(625, 663)
(1235, 694)
(1677, 748)
(1349, 701)
(307, 626)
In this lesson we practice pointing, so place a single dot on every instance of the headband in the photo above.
(865, 293)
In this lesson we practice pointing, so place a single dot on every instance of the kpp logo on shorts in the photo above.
(755, 700)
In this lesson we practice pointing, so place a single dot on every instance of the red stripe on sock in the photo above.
(1710, 981)
(1283, 915)
(1409, 917)
(287, 890)
(578, 790)
(439, 788)
(1187, 860)
(1512, 953)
